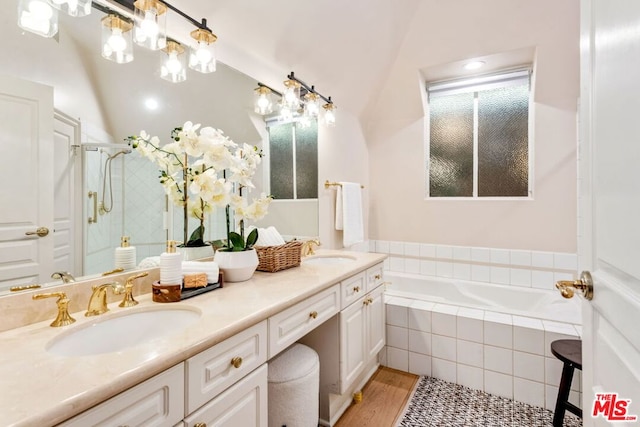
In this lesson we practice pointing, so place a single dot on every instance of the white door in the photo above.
(26, 152)
(609, 241)
(67, 207)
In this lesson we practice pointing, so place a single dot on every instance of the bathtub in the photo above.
(519, 301)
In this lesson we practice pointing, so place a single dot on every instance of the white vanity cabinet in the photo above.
(223, 386)
(361, 335)
(348, 344)
(242, 405)
(291, 324)
(158, 401)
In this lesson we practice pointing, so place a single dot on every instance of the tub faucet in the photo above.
(64, 275)
(307, 247)
(98, 299)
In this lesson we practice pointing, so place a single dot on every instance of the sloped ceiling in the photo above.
(344, 48)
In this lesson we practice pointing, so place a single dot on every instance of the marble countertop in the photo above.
(40, 389)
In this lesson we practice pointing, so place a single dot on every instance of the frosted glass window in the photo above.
(479, 137)
(293, 161)
(451, 154)
(281, 160)
(307, 161)
(503, 142)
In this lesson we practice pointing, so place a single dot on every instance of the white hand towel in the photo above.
(339, 210)
(352, 221)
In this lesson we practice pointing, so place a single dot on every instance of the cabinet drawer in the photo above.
(244, 404)
(212, 371)
(159, 401)
(374, 276)
(290, 325)
(353, 288)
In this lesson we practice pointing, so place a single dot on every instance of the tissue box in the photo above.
(281, 257)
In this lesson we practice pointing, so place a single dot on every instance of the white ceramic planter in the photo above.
(194, 253)
(237, 266)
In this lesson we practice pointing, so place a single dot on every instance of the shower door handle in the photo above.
(40, 232)
(93, 219)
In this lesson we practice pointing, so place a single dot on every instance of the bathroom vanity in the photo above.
(214, 370)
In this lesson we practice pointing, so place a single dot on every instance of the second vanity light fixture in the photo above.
(297, 97)
(146, 27)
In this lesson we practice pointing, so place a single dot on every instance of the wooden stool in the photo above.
(570, 353)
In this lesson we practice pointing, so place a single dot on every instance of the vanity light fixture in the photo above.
(151, 24)
(203, 54)
(74, 8)
(174, 63)
(38, 17)
(474, 65)
(310, 103)
(263, 104)
(117, 39)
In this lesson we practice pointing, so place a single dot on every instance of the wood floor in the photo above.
(384, 398)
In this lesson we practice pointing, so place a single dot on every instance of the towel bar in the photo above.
(328, 184)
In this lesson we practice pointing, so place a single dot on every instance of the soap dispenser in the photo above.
(125, 255)
(171, 265)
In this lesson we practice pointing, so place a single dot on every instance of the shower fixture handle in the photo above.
(40, 232)
(585, 285)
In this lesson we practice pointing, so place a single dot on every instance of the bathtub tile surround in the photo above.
(516, 267)
(498, 353)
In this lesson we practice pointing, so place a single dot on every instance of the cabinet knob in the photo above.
(200, 425)
(313, 314)
(365, 302)
(356, 289)
(236, 362)
(377, 277)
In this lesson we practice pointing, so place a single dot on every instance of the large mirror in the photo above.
(119, 192)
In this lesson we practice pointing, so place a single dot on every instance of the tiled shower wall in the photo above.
(535, 269)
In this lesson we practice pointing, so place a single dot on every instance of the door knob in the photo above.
(585, 285)
(40, 232)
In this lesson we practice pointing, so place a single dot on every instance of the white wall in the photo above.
(396, 128)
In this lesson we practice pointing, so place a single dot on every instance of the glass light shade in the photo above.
(203, 54)
(262, 101)
(73, 7)
(311, 104)
(286, 114)
(117, 39)
(150, 24)
(38, 17)
(291, 95)
(174, 63)
(329, 114)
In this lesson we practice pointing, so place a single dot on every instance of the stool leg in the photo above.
(563, 395)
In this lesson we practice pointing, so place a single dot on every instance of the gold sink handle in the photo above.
(63, 318)
(128, 300)
(584, 285)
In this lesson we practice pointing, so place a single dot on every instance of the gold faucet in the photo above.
(98, 299)
(307, 247)
(128, 300)
(64, 275)
(63, 318)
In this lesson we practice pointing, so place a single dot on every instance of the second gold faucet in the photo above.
(98, 299)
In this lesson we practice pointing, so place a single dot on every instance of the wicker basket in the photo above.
(276, 258)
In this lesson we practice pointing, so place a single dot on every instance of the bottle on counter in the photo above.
(171, 265)
(125, 255)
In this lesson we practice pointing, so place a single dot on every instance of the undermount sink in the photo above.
(328, 260)
(119, 332)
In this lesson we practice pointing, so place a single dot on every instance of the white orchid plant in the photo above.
(202, 170)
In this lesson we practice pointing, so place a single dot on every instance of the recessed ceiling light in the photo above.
(473, 65)
(151, 104)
